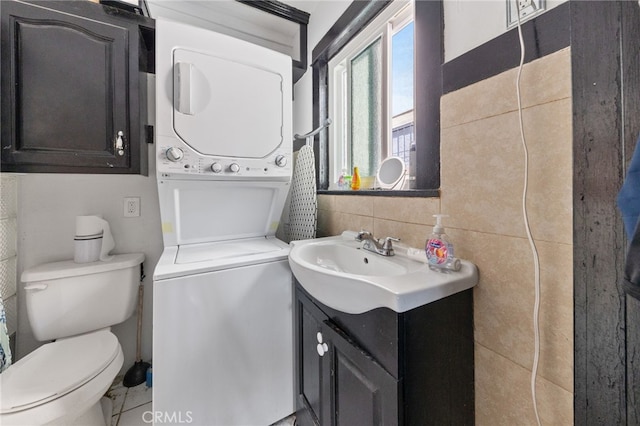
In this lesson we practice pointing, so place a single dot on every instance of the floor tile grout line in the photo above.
(122, 407)
(119, 413)
(137, 406)
(122, 410)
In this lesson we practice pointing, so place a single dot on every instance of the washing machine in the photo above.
(222, 289)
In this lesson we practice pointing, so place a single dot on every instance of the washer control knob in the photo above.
(281, 161)
(174, 154)
(216, 167)
(234, 167)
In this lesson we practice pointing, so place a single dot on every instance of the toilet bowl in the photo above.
(63, 382)
(54, 385)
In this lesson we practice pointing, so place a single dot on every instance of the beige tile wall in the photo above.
(482, 162)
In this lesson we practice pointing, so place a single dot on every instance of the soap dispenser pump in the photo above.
(439, 249)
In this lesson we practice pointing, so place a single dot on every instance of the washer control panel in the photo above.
(181, 160)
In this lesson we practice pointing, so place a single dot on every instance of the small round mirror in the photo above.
(390, 172)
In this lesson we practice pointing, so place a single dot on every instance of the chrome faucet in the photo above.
(383, 247)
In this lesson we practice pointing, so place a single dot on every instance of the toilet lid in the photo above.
(56, 369)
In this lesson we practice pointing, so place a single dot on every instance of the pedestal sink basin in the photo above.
(340, 274)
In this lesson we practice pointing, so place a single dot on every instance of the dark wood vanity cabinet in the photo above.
(71, 91)
(339, 382)
(385, 368)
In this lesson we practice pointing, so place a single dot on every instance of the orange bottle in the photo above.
(355, 179)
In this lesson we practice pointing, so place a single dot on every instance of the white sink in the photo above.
(340, 274)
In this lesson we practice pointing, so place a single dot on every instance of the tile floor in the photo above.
(130, 404)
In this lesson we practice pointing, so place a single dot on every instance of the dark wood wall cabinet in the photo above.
(385, 368)
(72, 98)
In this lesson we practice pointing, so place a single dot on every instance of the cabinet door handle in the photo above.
(120, 143)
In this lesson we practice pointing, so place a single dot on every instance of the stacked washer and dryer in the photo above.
(222, 303)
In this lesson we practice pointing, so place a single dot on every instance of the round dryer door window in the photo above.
(226, 108)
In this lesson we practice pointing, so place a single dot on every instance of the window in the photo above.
(428, 57)
(371, 95)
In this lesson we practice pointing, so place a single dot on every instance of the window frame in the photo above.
(428, 60)
(383, 27)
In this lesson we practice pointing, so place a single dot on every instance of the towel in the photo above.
(5, 349)
(303, 208)
(629, 195)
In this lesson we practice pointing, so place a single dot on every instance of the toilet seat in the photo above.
(56, 369)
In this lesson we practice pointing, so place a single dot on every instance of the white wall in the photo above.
(471, 23)
(47, 207)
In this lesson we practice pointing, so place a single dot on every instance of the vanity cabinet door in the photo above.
(69, 90)
(363, 392)
(385, 368)
(314, 366)
(339, 383)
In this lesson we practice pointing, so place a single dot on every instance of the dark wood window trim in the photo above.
(292, 14)
(428, 89)
(543, 35)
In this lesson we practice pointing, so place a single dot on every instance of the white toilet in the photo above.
(62, 383)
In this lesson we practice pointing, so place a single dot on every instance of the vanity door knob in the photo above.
(322, 348)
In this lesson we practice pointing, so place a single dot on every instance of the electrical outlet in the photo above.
(527, 9)
(132, 207)
(524, 4)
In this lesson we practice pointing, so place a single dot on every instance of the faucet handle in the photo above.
(363, 234)
(388, 242)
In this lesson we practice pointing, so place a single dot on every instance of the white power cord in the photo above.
(534, 250)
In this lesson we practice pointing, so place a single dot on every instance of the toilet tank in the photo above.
(67, 298)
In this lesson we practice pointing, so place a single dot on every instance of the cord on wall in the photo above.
(534, 250)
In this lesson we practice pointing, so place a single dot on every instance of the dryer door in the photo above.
(225, 107)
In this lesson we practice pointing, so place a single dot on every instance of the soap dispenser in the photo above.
(439, 249)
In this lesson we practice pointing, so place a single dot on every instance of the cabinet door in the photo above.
(65, 85)
(363, 392)
(314, 367)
